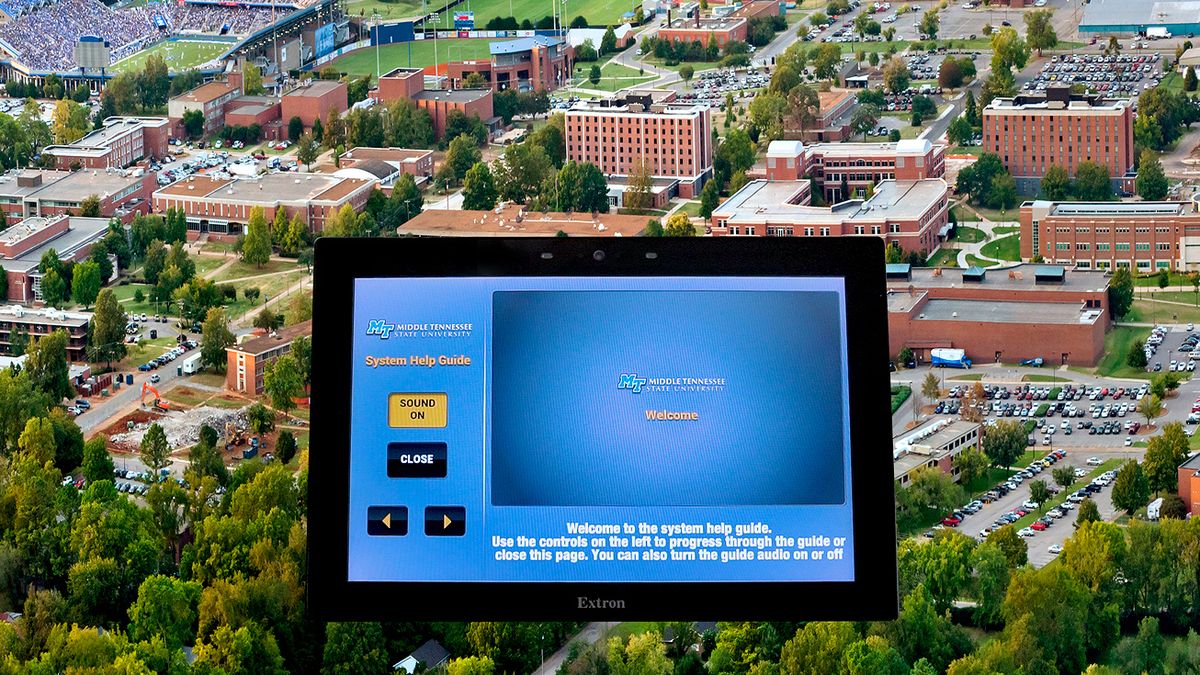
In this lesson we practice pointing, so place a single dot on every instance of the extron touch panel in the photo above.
(596, 427)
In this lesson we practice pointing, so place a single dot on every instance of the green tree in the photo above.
(864, 119)
(85, 283)
(1038, 491)
(930, 388)
(1092, 182)
(971, 464)
(1008, 51)
(1131, 490)
(405, 203)
(818, 647)
(895, 75)
(471, 665)
(108, 328)
(154, 451)
(1039, 30)
(1015, 550)
(1056, 184)
(594, 75)
(47, 365)
(1055, 608)
(193, 123)
(479, 190)
(1150, 407)
(929, 23)
(54, 288)
(1004, 443)
(307, 149)
(1164, 453)
(295, 128)
(679, 225)
(1120, 292)
(247, 649)
(256, 248)
(285, 446)
(1189, 79)
(1064, 475)
(260, 418)
(215, 338)
(37, 440)
(643, 654)
(992, 571)
(709, 198)
(686, 72)
(90, 207)
(97, 463)
(521, 172)
(608, 43)
(1151, 182)
(461, 155)
(354, 647)
(282, 382)
(1088, 512)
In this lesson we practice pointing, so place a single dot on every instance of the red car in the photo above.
(1039, 526)
(950, 521)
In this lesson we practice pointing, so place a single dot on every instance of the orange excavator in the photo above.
(158, 404)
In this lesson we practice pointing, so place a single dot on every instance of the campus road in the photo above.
(591, 634)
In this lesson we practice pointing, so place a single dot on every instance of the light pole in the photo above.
(376, 18)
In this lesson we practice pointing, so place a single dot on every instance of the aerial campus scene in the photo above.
(1032, 167)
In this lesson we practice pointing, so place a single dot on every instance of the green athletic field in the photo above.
(179, 54)
(362, 62)
(388, 11)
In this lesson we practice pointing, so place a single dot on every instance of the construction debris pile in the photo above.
(183, 427)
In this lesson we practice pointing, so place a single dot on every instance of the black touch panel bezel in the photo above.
(858, 260)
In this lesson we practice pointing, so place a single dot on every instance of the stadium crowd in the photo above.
(44, 34)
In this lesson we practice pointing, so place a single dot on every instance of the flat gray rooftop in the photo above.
(1139, 13)
(81, 184)
(1018, 277)
(990, 311)
(80, 232)
(771, 200)
(456, 95)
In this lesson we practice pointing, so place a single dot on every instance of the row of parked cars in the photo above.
(1129, 73)
(1002, 489)
(158, 362)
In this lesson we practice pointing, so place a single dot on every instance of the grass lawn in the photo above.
(269, 287)
(207, 263)
(626, 628)
(179, 54)
(980, 262)
(1173, 279)
(899, 396)
(1150, 311)
(599, 13)
(207, 378)
(416, 54)
(975, 150)
(1028, 519)
(1172, 81)
(943, 257)
(216, 247)
(1042, 378)
(996, 214)
(1004, 248)
(139, 353)
(1003, 230)
(691, 208)
(613, 77)
(1117, 344)
(969, 235)
(696, 65)
(1186, 297)
(386, 10)
(241, 269)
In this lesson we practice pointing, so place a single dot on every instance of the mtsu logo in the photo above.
(632, 382)
(381, 328)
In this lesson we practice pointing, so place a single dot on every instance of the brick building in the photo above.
(1189, 483)
(313, 100)
(29, 193)
(1032, 132)
(1144, 236)
(209, 99)
(470, 102)
(119, 143)
(265, 111)
(527, 64)
(22, 246)
(400, 83)
(912, 214)
(933, 445)
(221, 207)
(513, 220)
(246, 363)
(385, 165)
(838, 168)
(703, 29)
(618, 134)
(36, 323)
(999, 315)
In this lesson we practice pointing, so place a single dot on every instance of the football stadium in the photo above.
(91, 40)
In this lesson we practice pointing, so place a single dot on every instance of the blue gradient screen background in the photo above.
(539, 435)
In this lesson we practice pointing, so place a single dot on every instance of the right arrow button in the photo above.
(445, 521)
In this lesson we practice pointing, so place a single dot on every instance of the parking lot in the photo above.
(1009, 503)
(218, 163)
(1122, 74)
(712, 85)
